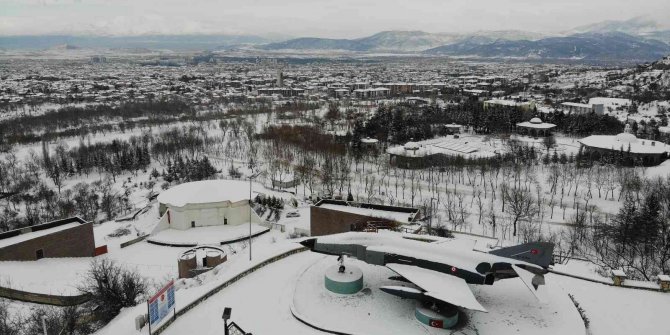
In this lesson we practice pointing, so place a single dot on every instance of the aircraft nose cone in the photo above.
(309, 243)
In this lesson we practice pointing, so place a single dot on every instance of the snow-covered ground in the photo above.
(511, 308)
(206, 235)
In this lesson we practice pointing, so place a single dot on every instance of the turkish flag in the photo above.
(436, 323)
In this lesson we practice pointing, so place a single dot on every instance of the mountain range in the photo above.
(634, 40)
(171, 42)
(587, 46)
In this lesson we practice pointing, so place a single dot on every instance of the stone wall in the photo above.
(327, 221)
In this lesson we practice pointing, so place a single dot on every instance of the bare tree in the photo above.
(520, 205)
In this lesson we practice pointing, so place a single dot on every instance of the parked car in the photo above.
(292, 215)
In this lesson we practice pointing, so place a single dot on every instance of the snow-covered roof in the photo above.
(623, 141)
(31, 235)
(402, 217)
(206, 191)
(575, 104)
(536, 123)
(619, 273)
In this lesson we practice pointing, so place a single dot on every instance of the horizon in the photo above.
(318, 19)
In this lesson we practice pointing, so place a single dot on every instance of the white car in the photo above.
(292, 215)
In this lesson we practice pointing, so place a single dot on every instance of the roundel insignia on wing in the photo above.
(454, 269)
(534, 251)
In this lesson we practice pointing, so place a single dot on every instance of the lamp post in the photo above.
(44, 324)
(252, 164)
(430, 218)
(226, 315)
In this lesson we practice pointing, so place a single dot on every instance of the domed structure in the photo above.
(647, 152)
(626, 138)
(206, 203)
(536, 120)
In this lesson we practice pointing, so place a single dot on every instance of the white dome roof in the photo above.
(626, 138)
(411, 146)
(536, 120)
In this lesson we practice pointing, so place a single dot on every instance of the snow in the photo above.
(438, 285)
(622, 143)
(610, 103)
(617, 311)
(377, 213)
(512, 309)
(206, 191)
(206, 235)
(263, 295)
(464, 145)
(31, 235)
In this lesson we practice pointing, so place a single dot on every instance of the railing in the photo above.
(234, 329)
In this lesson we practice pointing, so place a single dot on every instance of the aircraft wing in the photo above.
(440, 286)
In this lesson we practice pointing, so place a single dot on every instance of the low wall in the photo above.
(133, 241)
(224, 285)
(44, 299)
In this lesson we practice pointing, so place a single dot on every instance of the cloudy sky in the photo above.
(321, 18)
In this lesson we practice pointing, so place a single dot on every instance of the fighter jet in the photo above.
(440, 269)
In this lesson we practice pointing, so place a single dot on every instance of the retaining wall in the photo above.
(45, 299)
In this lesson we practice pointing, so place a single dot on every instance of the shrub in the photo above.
(112, 287)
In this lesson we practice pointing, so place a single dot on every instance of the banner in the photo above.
(161, 303)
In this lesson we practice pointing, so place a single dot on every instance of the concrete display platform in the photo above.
(512, 308)
(211, 235)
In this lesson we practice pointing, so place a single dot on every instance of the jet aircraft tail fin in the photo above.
(538, 253)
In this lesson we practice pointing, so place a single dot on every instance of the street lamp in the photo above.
(430, 218)
(225, 317)
(252, 164)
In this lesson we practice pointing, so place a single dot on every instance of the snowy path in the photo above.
(260, 302)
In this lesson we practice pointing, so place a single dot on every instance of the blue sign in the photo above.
(161, 304)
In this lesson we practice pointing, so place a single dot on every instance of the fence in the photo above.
(224, 285)
(44, 299)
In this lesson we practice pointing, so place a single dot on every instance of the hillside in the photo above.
(590, 46)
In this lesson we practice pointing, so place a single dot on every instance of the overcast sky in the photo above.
(320, 18)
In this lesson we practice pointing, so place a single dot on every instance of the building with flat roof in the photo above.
(577, 108)
(338, 216)
(523, 105)
(72, 237)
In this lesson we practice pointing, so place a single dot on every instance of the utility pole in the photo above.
(252, 164)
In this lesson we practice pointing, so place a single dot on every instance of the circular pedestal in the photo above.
(348, 282)
(445, 318)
